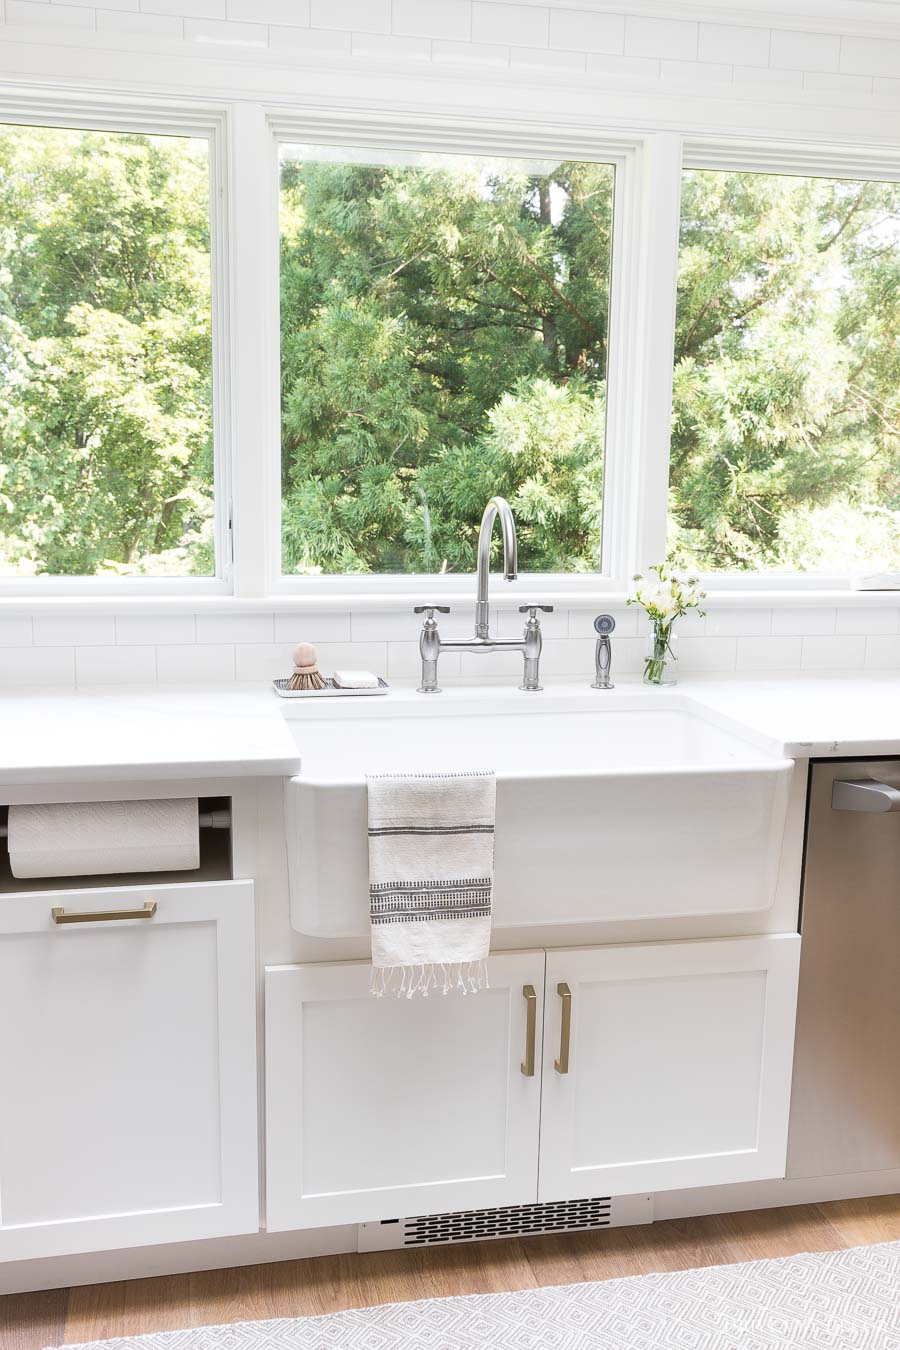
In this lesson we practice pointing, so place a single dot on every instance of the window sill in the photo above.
(366, 600)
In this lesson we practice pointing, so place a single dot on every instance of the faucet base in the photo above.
(531, 688)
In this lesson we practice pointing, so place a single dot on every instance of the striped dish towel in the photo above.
(431, 871)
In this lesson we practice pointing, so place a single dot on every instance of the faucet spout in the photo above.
(497, 506)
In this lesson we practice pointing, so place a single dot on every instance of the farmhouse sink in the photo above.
(603, 813)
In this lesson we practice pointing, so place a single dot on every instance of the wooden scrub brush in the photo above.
(306, 669)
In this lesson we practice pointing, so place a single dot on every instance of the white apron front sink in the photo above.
(602, 814)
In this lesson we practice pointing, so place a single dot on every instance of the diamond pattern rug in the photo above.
(844, 1300)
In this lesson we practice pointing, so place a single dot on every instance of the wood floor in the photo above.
(330, 1283)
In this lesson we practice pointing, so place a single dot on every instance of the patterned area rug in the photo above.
(845, 1300)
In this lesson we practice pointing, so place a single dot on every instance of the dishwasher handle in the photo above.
(863, 795)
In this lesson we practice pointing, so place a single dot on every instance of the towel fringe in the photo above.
(407, 981)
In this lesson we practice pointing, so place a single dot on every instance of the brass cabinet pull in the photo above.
(527, 1065)
(146, 911)
(561, 1065)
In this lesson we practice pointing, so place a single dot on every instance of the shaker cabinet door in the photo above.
(380, 1108)
(667, 1065)
(127, 1068)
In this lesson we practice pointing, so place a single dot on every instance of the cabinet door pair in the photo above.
(580, 1073)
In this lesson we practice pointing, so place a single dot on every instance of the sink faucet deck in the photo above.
(431, 644)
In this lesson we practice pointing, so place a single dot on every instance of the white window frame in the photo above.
(153, 117)
(244, 139)
(628, 510)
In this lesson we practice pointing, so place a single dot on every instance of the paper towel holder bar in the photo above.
(207, 820)
(60, 915)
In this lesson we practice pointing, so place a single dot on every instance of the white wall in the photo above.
(815, 69)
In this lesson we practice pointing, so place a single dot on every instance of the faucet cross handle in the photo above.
(430, 610)
(531, 610)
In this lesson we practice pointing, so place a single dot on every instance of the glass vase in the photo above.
(660, 655)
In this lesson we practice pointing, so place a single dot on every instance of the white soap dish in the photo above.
(331, 690)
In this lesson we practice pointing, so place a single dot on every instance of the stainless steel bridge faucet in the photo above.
(431, 644)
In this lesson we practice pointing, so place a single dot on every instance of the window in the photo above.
(106, 446)
(444, 334)
(785, 451)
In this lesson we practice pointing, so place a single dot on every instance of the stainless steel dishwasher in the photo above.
(845, 1105)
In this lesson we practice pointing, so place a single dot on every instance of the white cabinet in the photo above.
(127, 1069)
(679, 1065)
(379, 1108)
(674, 1072)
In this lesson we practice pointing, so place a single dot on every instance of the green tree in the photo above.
(444, 337)
(105, 353)
(786, 419)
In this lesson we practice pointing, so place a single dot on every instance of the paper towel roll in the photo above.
(76, 839)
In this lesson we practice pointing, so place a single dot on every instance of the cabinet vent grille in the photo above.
(475, 1225)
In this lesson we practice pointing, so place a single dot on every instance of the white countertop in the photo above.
(114, 734)
(118, 734)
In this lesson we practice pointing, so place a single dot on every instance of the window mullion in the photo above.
(253, 327)
(654, 314)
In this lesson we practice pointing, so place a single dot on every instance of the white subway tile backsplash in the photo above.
(833, 653)
(837, 84)
(706, 653)
(29, 666)
(567, 657)
(733, 43)
(738, 622)
(363, 16)
(674, 39)
(479, 53)
(230, 34)
(526, 25)
(438, 19)
(803, 622)
(149, 630)
(52, 16)
(887, 90)
(259, 664)
(768, 76)
(690, 72)
(294, 12)
(536, 58)
(309, 41)
(882, 653)
(144, 25)
(187, 9)
(195, 664)
(805, 51)
(623, 67)
(388, 47)
(252, 647)
(578, 30)
(865, 620)
(316, 625)
(86, 631)
(768, 653)
(127, 5)
(870, 56)
(16, 631)
(235, 628)
(115, 665)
